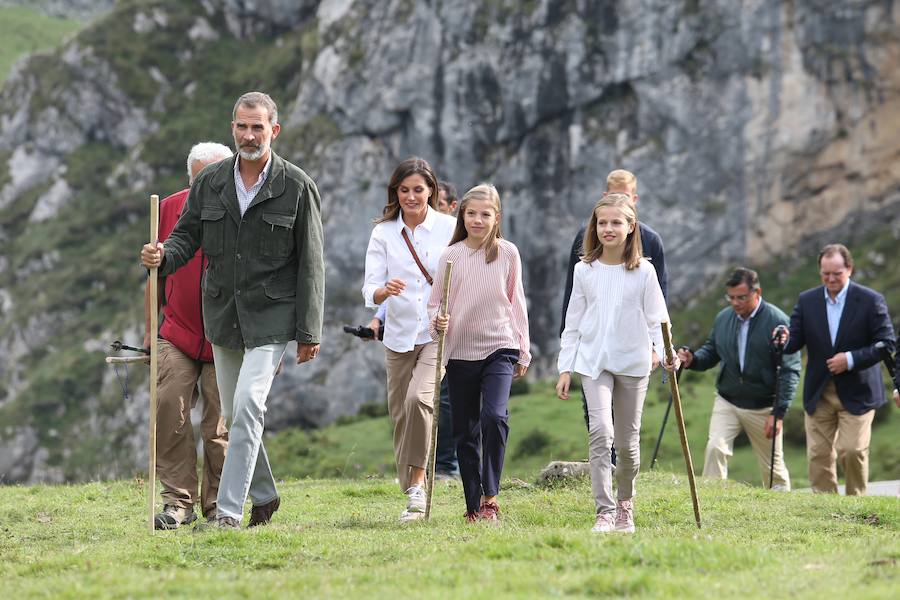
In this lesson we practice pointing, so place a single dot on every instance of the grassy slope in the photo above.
(340, 539)
(27, 30)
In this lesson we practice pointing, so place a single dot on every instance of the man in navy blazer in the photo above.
(840, 322)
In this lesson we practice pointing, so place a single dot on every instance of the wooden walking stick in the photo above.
(679, 416)
(436, 399)
(154, 327)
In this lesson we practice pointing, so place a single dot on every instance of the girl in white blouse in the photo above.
(401, 261)
(612, 338)
(486, 346)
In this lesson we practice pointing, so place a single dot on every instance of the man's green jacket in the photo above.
(265, 282)
(754, 387)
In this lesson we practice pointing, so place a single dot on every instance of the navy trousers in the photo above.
(445, 459)
(479, 399)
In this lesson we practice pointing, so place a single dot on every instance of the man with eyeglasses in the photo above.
(746, 388)
(840, 322)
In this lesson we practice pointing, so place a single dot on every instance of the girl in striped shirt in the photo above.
(612, 337)
(486, 344)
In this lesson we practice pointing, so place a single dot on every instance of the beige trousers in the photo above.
(624, 396)
(410, 388)
(833, 433)
(176, 450)
(726, 423)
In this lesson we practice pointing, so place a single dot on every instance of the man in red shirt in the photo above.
(186, 372)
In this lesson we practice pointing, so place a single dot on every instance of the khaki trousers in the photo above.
(833, 433)
(176, 450)
(410, 388)
(624, 396)
(726, 423)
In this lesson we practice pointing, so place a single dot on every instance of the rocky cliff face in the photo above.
(751, 126)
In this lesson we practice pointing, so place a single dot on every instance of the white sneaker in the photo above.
(606, 522)
(625, 516)
(415, 504)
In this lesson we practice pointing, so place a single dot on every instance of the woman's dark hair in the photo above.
(411, 166)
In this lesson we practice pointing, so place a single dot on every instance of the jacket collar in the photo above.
(222, 183)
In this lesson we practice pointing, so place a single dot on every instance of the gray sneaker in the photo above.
(415, 504)
(224, 523)
(173, 517)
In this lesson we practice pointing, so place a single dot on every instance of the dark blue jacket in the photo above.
(651, 248)
(864, 322)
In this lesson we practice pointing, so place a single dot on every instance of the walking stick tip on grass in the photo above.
(679, 417)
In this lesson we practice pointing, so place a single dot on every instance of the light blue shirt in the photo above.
(743, 330)
(245, 196)
(834, 309)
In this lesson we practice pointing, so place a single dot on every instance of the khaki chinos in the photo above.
(725, 424)
(832, 433)
(176, 450)
(410, 387)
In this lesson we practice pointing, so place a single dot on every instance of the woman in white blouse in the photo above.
(613, 329)
(401, 261)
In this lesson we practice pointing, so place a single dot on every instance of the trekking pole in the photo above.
(777, 355)
(154, 356)
(679, 417)
(662, 429)
(884, 354)
(435, 400)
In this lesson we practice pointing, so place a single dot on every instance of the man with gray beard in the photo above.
(257, 218)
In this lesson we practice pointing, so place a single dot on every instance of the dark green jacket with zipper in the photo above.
(265, 282)
(754, 387)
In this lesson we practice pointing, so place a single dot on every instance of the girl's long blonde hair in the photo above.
(484, 191)
(592, 249)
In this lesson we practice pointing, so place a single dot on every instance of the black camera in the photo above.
(364, 332)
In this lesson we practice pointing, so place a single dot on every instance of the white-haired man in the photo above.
(186, 372)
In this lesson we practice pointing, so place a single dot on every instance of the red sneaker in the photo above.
(489, 511)
(471, 516)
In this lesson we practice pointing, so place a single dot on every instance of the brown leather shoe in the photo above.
(261, 515)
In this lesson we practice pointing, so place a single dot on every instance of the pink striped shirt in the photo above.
(486, 305)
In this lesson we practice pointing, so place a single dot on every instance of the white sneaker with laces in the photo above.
(606, 522)
(415, 505)
(625, 516)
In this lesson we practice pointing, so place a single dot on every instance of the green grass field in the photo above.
(340, 539)
(26, 30)
(543, 428)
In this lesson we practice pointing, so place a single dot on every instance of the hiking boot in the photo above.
(625, 516)
(606, 522)
(261, 515)
(415, 504)
(226, 523)
(489, 511)
(173, 517)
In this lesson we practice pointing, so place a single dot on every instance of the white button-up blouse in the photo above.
(388, 257)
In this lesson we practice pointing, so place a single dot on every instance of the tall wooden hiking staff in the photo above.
(154, 362)
(436, 399)
(679, 416)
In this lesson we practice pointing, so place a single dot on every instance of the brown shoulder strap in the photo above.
(416, 256)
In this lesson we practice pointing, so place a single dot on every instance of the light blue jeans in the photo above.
(244, 378)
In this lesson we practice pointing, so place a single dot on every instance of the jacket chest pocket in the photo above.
(213, 221)
(277, 235)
